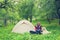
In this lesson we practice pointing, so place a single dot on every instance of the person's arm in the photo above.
(35, 28)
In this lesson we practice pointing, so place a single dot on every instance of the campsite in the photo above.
(19, 17)
(6, 34)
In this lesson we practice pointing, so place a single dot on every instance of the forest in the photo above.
(47, 12)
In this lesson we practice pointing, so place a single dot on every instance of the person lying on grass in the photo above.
(38, 29)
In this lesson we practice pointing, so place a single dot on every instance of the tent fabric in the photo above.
(23, 26)
(44, 31)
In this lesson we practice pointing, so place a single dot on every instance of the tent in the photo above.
(44, 31)
(23, 26)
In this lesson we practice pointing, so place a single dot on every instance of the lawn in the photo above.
(6, 34)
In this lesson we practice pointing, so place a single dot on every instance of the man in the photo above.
(38, 29)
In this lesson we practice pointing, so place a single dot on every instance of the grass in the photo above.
(6, 34)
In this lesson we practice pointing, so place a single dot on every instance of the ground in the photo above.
(6, 34)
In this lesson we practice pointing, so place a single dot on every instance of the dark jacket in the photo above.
(38, 27)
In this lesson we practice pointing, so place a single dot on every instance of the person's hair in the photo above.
(38, 23)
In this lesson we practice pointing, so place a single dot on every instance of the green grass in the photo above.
(6, 34)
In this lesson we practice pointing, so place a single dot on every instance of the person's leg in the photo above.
(38, 32)
(32, 32)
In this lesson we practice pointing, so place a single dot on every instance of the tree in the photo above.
(58, 8)
(5, 6)
(49, 10)
(25, 10)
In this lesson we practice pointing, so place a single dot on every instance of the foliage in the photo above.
(15, 10)
(6, 34)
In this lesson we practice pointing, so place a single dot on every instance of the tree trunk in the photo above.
(59, 17)
(48, 20)
(5, 22)
(59, 21)
(31, 18)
